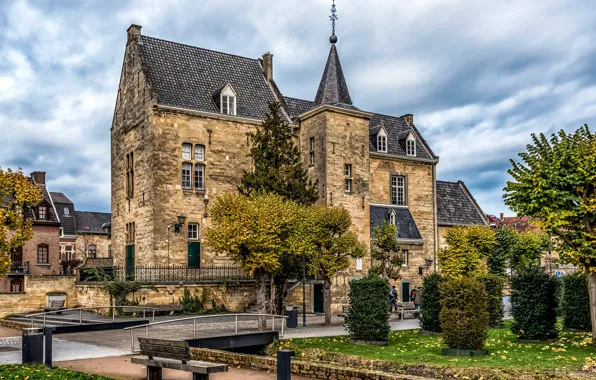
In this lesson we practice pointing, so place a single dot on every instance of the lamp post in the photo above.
(303, 290)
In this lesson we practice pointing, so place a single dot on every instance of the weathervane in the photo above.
(333, 18)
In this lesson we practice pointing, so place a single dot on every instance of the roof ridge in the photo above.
(200, 48)
(476, 205)
(455, 183)
(94, 212)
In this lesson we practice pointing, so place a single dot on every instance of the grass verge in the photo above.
(21, 372)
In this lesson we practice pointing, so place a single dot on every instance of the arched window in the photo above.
(43, 254)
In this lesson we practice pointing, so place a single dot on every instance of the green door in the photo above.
(405, 292)
(130, 261)
(194, 254)
(318, 298)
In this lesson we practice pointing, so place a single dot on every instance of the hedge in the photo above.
(430, 303)
(368, 315)
(575, 302)
(534, 305)
(493, 284)
(463, 316)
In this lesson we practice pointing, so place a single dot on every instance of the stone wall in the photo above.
(236, 298)
(38, 288)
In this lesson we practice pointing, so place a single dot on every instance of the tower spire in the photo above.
(333, 18)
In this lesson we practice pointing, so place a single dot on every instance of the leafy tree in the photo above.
(368, 314)
(17, 194)
(501, 254)
(277, 162)
(494, 284)
(331, 246)
(467, 249)
(255, 233)
(528, 248)
(430, 303)
(556, 182)
(575, 302)
(385, 252)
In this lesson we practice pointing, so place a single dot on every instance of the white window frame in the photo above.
(382, 141)
(405, 253)
(66, 211)
(348, 178)
(227, 101)
(68, 252)
(200, 153)
(193, 231)
(45, 212)
(411, 147)
(398, 190)
(186, 175)
(199, 176)
(186, 151)
(94, 250)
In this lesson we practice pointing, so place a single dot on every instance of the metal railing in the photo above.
(81, 309)
(19, 267)
(194, 324)
(168, 274)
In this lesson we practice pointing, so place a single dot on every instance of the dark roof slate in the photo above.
(333, 87)
(67, 219)
(297, 107)
(456, 206)
(60, 198)
(187, 77)
(406, 226)
(92, 222)
(396, 128)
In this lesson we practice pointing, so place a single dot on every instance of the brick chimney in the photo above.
(502, 217)
(268, 66)
(409, 119)
(39, 177)
(134, 33)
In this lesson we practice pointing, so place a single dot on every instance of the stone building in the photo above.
(59, 232)
(180, 138)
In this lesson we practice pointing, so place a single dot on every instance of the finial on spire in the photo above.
(333, 18)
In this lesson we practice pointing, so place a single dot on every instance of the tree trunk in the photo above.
(592, 293)
(261, 288)
(281, 293)
(327, 301)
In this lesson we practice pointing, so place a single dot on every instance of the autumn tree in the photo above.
(255, 233)
(466, 251)
(331, 246)
(17, 194)
(529, 247)
(385, 252)
(556, 183)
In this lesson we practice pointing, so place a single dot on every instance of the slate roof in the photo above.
(456, 206)
(92, 222)
(406, 226)
(67, 220)
(333, 87)
(188, 77)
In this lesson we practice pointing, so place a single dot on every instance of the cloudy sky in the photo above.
(479, 75)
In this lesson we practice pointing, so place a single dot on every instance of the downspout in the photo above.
(435, 220)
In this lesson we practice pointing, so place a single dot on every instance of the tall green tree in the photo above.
(17, 193)
(529, 247)
(331, 246)
(255, 233)
(500, 256)
(385, 252)
(466, 251)
(556, 182)
(278, 165)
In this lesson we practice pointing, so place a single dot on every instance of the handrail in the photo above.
(80, 309)
(194, 327)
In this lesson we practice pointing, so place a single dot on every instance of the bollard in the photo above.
(32, 346)
(284, 364)
(48, 346)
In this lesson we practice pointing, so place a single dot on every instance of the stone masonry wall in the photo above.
(35, 298)
(235, 298)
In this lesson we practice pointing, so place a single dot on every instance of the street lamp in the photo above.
(178, 226)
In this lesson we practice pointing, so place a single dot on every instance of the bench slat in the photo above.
(163, 342)
(192, 366)
(179, 353)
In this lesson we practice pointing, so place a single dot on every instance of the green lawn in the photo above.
(21, 372)
(409, 347)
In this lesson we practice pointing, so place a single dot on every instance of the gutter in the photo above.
(400, 158)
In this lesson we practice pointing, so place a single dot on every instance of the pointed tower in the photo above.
(333, 88)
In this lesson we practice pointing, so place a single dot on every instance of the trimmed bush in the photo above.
(368, 315)
(534, 305)
(464, 318)
(493, 285)
(575, 302)
(430, 303)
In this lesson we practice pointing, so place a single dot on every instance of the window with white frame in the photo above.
(200, 176)
(199, 152)
(186, 175)
(193, 231)
(66, 211)
(382, 141)
(42, 212)
(91, 251)
(411, 147)
(405, 255)
(348, 178)
(398, 190)
(311, 151)
(186, 151)
(67, 253)
(228, 104)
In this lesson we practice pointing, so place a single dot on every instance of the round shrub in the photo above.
(368, 314)
(493, 285)
(534, 304)
(463, 315)
(575, 302)
(430, 303)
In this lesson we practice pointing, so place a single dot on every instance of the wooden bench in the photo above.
(172, 354)
(55, 305)
(344, 311)
(407, 308)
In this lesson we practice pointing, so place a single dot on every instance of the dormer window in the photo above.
(382, 141)
(392, 217)
(227, 100)
(42, 212)
(411, 146)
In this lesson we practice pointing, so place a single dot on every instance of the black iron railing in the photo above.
(19, 267)
(166, 274)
